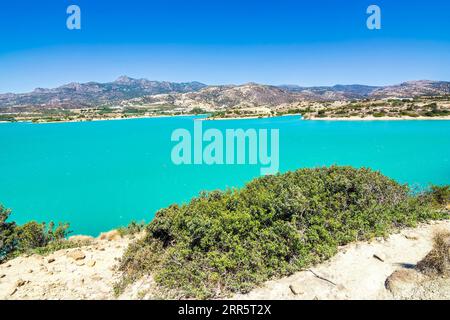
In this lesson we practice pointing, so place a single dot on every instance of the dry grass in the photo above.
(437, 261)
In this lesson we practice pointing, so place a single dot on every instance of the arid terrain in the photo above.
(380, 269)
(131, 98)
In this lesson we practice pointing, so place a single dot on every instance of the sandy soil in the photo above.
(358, 271)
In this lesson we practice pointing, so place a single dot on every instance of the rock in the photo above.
(50, 260)
(13, 291)
(81, 238)
(76, 255)
(402, 281)
(110, 235)
(2, 276)
(91, 263)
(8, 265)
(30, 271)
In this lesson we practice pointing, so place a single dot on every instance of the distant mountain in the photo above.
(76, 95)
(221, 97)
(189, 94)
(337, 92)
(343, 92)
(413, 88)
(250, 94)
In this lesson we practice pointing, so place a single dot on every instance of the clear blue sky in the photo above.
(315, 42)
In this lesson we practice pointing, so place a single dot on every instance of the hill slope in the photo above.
(91, 94)
(126, 90)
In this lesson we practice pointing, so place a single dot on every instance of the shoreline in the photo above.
(255, 117)
(371, 118)
(377, 118)
(235, 118)
(100, 119)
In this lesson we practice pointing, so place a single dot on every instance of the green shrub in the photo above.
(7, 234)
(438, 195)
(225, 242)
(197, 110)
(132, 228)
(34, 235)
(31, 237)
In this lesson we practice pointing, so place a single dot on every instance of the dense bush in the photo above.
(438, 195)
(7, 234)
(224, 242)
(132, 228)
(30, 237)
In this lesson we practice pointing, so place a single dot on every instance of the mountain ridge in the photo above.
(93, 94)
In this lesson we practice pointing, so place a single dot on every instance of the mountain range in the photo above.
(91, 94)
(94, 94)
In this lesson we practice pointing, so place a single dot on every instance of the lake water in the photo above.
(103, 174)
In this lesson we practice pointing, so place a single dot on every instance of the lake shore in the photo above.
(234, 118)
(253, 117)
(371, 118)
(100, 119)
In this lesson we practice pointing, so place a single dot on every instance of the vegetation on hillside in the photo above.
(225, 242)
(438, 195)
(428, 107)
(32, 237)
(437, 261)
(132, 228)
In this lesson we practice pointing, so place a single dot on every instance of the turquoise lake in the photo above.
(103, 174)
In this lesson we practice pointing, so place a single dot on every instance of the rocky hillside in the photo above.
(214, 98)
(135, 92)
(222, 97)
(93, 94)
(337, 92)
(412, 89)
